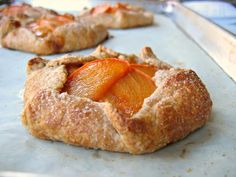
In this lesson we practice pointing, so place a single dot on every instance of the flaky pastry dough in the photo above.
(16, 33)
(134, 17)
(179, 105)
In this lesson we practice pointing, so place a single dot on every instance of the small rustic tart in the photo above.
(113, 101)
(49, 33)
(25, 12)
(119, 15)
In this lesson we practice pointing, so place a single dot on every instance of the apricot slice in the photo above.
(147, 69)
(106, 8)
(45, 25)
(128, 94)
(94, 79)
(101, 9)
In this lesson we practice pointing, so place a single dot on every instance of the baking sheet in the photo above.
(210, 151)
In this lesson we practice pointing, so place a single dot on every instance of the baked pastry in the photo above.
(25, 12)
(47, 33)
(119, 15)
(121, 109)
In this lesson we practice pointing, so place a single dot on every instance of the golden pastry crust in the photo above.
(68, 37)
(14, 16)
(63, 33)
(120, 18)
(179, 105)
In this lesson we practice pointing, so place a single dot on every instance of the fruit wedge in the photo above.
(106, 8)
(101, 9)
(128, 94)
(147, 69)
(45, 25)
(94, 79)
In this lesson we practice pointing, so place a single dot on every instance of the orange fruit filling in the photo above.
(147, 69)
(106, 8)
(42, 26)
(94, 79)
(128, 94)
(114, 81)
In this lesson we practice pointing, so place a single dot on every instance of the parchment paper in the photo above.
(210, 151)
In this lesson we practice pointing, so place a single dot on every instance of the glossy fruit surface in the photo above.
(147, 69)
(94, 79)
(128, 94)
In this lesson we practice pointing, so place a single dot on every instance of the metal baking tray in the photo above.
(210, 151)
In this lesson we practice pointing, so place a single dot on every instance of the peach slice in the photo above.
(42, 26)
(95, 78)
(106, 8)
(147, 69)
(103, 8)
(128, 94)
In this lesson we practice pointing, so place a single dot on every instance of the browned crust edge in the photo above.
(120, 19)
(179, 105)
(65, 38)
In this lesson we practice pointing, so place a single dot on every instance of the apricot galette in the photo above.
(113, 101)
(119, 15)
(42, 31)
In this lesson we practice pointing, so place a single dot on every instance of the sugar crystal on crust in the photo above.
(179, 105)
